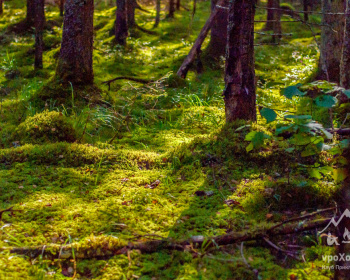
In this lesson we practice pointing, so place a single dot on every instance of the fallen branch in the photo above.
(138, 80)
(339, 131)
(8, 210)
(108, 249)
(150, 32)
(196, 48)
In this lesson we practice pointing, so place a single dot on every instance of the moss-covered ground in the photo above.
(136, 166)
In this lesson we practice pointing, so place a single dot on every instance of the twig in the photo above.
(256, 272)
(288, 253)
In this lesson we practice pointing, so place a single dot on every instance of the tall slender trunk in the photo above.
(75, 61)
(306, 6)
(39, 28)
(239, 93)
(345, 58)
(178, 4)
(270, 15)
(61, 7)
(121, 25)
(277, 28)
(171, 8)
(30, 18)
(218, 35)
(157, 20)
(331, 40)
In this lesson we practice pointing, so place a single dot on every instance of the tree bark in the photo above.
(270, 15)
(39, 28)
(331, 41)
(171, 9)
(130, 8)
(218, 35)
(1, 7)
(196, 49)
(306, 6)
(157, 20)
(239, 93)
(345, 58)
(61, 7)
(75, 61)
(30, 18)
(121, 25)
(277, 28)
(178, 4)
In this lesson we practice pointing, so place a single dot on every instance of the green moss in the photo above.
(46, 127)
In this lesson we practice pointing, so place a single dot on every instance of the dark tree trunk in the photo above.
(130, 8)
(194, 8)
(345, 58)
(218, 35)
(343, 249)
(39, 28)
(270, 15)
(121, 24)
(30, 13)
(196, 48)
(277, 28)
(1, 7)
(178, 4)
(331, 41)
(239, 93)
(75, 61)
(61, 7)
(156, 23)
(171, 8)
(306, 6)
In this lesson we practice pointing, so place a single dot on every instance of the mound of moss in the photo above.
(46, 127)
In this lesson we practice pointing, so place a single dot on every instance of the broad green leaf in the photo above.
(300, 139)
(256, 138)
(339, 175)
(347, 92)
(269, 114)
(326, 101)
(291, 91)
(284, 128)
(315, 173)
(250, 147)
(289, 150)
(345, 143)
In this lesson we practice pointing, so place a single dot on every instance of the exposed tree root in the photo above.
(108, 248)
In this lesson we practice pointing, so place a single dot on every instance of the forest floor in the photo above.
(157, 162)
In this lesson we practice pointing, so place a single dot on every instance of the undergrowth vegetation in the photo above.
(153, 161)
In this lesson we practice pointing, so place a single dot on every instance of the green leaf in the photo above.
(250, 147)
(315, 173)
(269, 114)
(289, 150)
(326, 101)
(339, 175)
(291, 91)
(300, 139)
(347, 92)
(284, 128)
(256, 138)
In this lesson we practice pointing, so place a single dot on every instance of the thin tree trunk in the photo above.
(331, 41)
(61, 7)
(277, 28)
(157, 13)
(1, 7)
(178, 4)
(196, 48)
(194, 8)
(39, 28)
(270, 15)
(75, 61)
(306, 6)
(239, 93)
(30, 18)
(171, 8)
(121, 25)
(218, 35)
(345, 59)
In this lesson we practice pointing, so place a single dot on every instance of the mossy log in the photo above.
(106, 248)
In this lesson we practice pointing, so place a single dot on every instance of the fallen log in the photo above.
(196, 48)
(339, 131)
(109, 248)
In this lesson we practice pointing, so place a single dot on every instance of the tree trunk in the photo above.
(157, 13)
(270, 14)
(121, 24)
(30, 18)
(344, 205)
(75, 61)
(178, 4)
(196, 48)
(239, 93)
(345, 58)
(39, 28)
(306, 6)
(331, 41)
(171, 8)
(130, 8)
(1, 7)
(61, 7)
(277, 28)
(218, 34)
